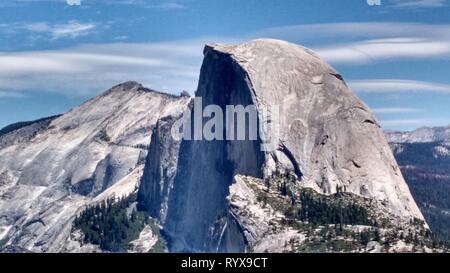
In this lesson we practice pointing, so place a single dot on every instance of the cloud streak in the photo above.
(397, 86)
(368, 42)
(394, 123)
(409, 124)
(395, 110)
(356, 30)
(88, 69)
(10, 95)
(418, 4)
(71, 29)
(156, 4)
(376, 50)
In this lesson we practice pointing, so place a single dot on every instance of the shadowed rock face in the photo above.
(206, 168)
(329, 139)
(160, 167)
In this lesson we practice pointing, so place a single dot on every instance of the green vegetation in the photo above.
(307, 206)
(277, 203)
(341, 222)
(334, 238)
(321, 210)
(112, 224)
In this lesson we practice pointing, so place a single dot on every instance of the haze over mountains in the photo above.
(332, 183)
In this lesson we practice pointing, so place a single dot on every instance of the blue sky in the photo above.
(54, 56)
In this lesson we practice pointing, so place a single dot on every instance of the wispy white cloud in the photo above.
(395, 110)
(10, 95)
(121, 38)
(368, 42)
(397, 85)
(411, 124)
(375, 50)
(399, 122)
(417, 4)
(361, 42)
(89, 69)
(71, 29)
(356, 30)
(73, 2)
(155, 4)
(168, 6)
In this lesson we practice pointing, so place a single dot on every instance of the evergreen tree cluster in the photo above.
(111, 224)
(319, 210)
(333, 238)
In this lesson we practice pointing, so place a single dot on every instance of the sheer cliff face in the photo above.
(206, 168)
(329, 139)
(48, 172)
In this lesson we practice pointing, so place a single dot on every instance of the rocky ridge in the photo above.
(51, 169)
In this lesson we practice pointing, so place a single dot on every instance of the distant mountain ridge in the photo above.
(421, 135)
(424, 159)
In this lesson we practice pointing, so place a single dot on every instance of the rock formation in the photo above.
(330, 141)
